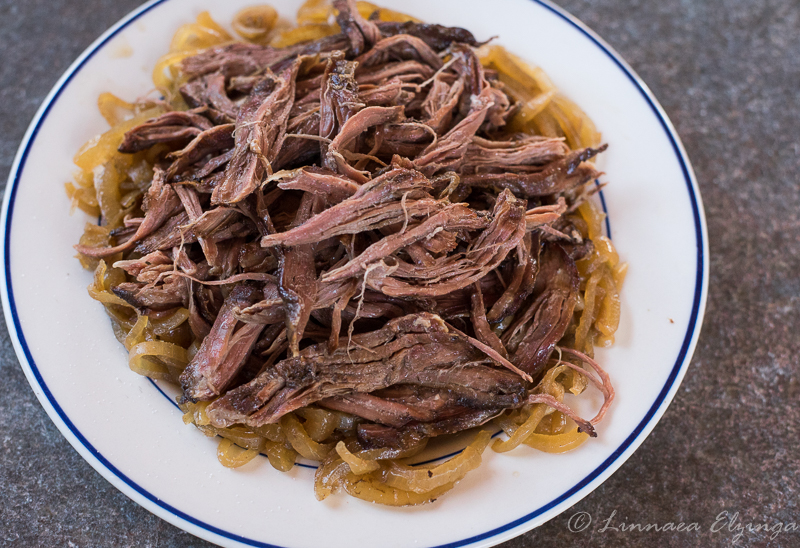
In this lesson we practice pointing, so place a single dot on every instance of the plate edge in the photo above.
(486, 539)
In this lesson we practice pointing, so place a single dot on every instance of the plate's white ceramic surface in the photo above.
(133, 436)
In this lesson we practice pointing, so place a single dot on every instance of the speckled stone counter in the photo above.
(728, 74)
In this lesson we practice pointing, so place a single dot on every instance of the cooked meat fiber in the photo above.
(436, 36)
(385, 200)
(159, 205)
(548, 317)
(260, 131)
(171, 127)
(456, 271)
(556, 177)
(224, 350)
(416, 349)
(352, 223)
(298, 279)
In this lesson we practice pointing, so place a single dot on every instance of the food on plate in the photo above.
(345, 238)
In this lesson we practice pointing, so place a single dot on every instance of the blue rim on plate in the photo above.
(179, 518)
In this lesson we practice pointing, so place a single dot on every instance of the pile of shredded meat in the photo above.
(350, 224)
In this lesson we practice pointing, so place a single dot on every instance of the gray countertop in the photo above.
(728, 74)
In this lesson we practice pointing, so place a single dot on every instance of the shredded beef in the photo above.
(352, 223)
(436, 36)
(260, 131)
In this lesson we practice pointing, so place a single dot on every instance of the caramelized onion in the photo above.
(94, 236)
(195, 413)
(272, 432)
(589, 311)
(114, 109)
(204, 33)
(320, 423)
(99, 288)
(242, 436)
(137, 332)
(521, 433)
(166, 71)
(165, 325)
(281, 458)
(100, 150)
(558, 443)
(594, 220)
(301, 441)
(84, 199)
(607, 320)
(329, 476)
(255, 22)
(314, 11)
(231, 455)
(367, 9)
(157, 359)
(424, 479)
(304, 33)
(357, 464)
(371, 489)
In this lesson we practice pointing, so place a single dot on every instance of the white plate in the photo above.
(133, 436)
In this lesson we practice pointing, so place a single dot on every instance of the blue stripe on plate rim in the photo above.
(209, 532)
